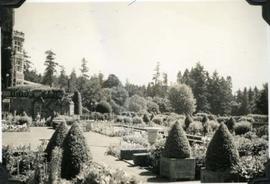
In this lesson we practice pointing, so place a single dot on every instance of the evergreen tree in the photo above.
(244, 107)
(198, 84)
(50, 70)
(84, 69)
(63, 78)
(262, 102)
(75, 153)
(179, 77)
(72, 82)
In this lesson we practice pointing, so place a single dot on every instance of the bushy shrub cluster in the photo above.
(242, 127)
(177, 145)
(221, 153)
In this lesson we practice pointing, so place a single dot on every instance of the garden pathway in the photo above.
(98, 145)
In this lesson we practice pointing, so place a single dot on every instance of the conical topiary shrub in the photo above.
(57, 139)
(230, 124)
(177, 145)
(188, 121)
(221, 153)
(75, 153)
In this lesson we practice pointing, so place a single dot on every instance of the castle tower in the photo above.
(17, 58)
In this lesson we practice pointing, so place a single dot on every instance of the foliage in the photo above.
(155, 154)
(75, 152)
(262, 101)
(251, 166)
(182, 99)
(119, 95)
(164, 104)
(146, 118)
(152, 107)
(112, 81)
(262, 131)
(77, 103)
(55, 165)
(195, 128)
(230, 124)
(137, 120)
(137, 138)
(50, 70)
(56, 140)
(188, 121)
(242, 127)
(96, 174)
(177, 145)
(104, 107)
(221, 153)
(136, 104)
(251, 145)
(23, 163)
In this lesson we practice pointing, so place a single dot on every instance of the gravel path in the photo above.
(98, 145)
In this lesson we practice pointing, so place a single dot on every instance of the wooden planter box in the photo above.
(127, 154)
(141, 159)
(174, 168)
(215, 176)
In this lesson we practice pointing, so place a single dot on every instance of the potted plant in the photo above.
(175, 161)
(221, 157)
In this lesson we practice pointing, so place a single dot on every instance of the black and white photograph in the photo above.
(134, 91)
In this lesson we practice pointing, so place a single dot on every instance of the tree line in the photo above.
(210, 93)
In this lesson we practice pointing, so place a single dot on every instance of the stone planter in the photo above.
(141, 159)
(174, 168)
(127, 154)
(215, 176)
(152, 134)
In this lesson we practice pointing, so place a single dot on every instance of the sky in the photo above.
(128, 40)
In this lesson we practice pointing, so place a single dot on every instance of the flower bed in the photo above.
(15, 128)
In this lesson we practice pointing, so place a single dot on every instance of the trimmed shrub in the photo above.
(137, 120)
(75, 153)
(146, 118)
(55, 165)
(221, 153)
(188, 121)
(177, 145)
(104, 107)
(230, 124)
(158, 120)
(56, 140)
(242, 127)
(204, 119)
(77, 99)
